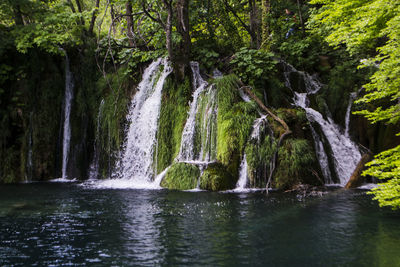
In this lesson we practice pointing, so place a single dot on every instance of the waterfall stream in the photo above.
(198, 143)
(29, 160)
(69, 94)
(135, 166)
(345, 152)
(94, 166)
(243, 169)
(187, 148)
(353, 96)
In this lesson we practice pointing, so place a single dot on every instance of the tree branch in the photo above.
(247, 89)
(247, 27)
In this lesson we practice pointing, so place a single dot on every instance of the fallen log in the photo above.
(247, 89)
(356, 178)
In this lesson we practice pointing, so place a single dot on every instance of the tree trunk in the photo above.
(168, 30)
(300, 17)
(129, 24)
(356, 179)
(266, 9)
(112, 14)
(78, 4)
(94, 16)
(183, 48)
(254, 24)
(18, 19)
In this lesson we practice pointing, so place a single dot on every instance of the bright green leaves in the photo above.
(386, 166)
(371, 27)
(356, 23)
(251, 65)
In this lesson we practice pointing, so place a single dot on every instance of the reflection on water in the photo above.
(65, 224)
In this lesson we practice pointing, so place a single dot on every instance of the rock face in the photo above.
(356, 179)
(216, 178)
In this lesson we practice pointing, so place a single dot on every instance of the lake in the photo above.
(59, 224)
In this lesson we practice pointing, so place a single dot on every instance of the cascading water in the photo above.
(94, 166)
(345, 153)
(135, 167)
(198, 141)
(243, 169)
(322, 156)
(353, 96)
(69, 94)
(186, 151)
(29, 160)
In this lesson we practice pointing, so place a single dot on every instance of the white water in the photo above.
(348, 113)
(29, 160)
(135, 168)
(242, 182)
(94, 166)
(322, 156)
(243, 169)
(69, 94)
(207, 125)
(345, 153)
(186, 151)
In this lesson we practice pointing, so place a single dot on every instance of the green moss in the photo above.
(206, 122)
(235, 120)
(113, 117)
(181, 176)
(217, 178)
(295, 163)
(172, 119)
(259, 156)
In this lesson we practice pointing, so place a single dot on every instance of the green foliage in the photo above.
(216, 178)
(206, 56)
(259, 156)
(114, 111)
(206, 121)
(367, 27)
(251, 65)
(302, 52)
(235, 119)
(181, 176)
(135, 58)
(172, 119)
(295, 160)
(386, 166)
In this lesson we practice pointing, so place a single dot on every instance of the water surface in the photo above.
(58, 224)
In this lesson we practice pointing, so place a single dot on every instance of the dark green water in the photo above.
(65, 224)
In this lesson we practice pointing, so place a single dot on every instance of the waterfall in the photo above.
(69, 94)
(135, 166)
(243, 169)
(198, 142)
(353, 96)
(186, 151)
(345, 153)
(29, 160)
(242, 182)
(94, 166)
(322, 156)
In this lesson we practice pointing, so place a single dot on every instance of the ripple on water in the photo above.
(65, 224)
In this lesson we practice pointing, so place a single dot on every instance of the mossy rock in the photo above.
(216, 178)
(296, 164)
(181, 176)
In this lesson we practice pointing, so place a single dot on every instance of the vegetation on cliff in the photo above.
(110, 42)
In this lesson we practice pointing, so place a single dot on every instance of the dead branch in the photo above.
(247, 89)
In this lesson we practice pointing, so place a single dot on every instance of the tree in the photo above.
(370, 28)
